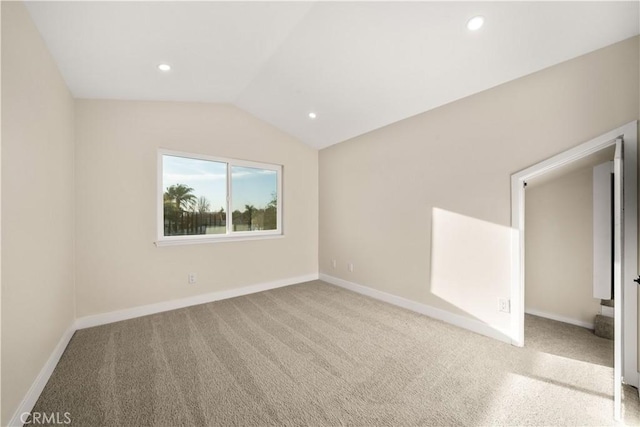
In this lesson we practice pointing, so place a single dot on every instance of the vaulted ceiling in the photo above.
(357, 65)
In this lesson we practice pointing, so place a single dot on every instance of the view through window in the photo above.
(198, 192)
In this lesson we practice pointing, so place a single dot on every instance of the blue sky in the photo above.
(250, 186)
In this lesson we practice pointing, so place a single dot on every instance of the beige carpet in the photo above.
(314, 354)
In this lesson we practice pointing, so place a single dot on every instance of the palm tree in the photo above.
(181, 196)
(177, 199)
(248, 211)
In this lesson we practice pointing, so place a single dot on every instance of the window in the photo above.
(206, 199)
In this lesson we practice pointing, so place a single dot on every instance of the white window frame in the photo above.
(230, 235)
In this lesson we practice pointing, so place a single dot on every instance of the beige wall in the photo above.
(37, 206)
(559, 247)
(378, 192)
(118, 265)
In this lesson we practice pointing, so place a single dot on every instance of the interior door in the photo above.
(618, 245)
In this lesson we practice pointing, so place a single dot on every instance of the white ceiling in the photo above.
(358, 65)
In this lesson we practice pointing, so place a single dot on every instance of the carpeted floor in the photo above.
(314, 354)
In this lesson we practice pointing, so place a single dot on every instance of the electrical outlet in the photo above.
(193, 278)
(350, 267)
(334, 264)
(504, 305)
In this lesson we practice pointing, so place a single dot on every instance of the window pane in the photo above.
(254, 198)
(195, 194)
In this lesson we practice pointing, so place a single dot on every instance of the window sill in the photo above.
(199, 241)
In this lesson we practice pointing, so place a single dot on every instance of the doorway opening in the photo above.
(624, 141)
(569, 246)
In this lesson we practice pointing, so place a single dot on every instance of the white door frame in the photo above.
(618, 268)
(629, 295)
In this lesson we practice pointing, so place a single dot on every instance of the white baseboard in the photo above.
(30, 399)
(436, 313)
(559, 318)
(145, 310)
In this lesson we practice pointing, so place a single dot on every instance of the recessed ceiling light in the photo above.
(164, 67)
(312, 115)
(475, 23)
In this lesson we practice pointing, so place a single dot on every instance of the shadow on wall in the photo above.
(471, 266)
